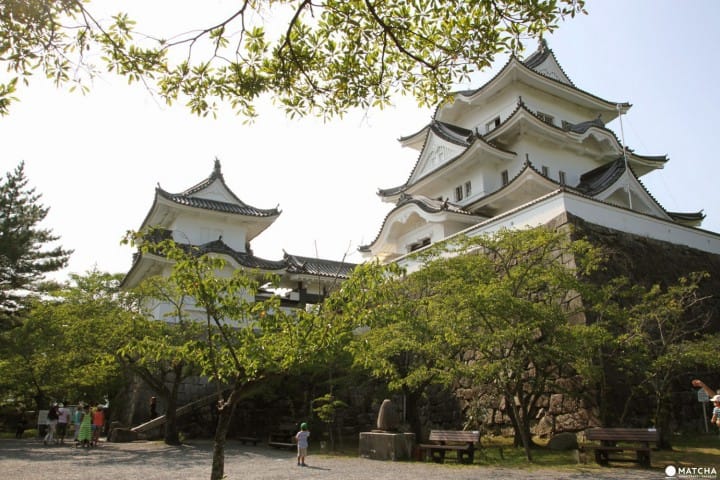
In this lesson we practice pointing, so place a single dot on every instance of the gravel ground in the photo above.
(29, 459)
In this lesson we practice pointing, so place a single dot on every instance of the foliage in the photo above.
(165, 352)
(25, 255)
(246, 340)
(658, 335)
(64, 349)
(514, 300)
(501, 311)
(326, 408)
(325, 57)
(400, 338)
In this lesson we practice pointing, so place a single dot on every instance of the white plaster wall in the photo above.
(216, 191)
(198, 230)
(437, 152)
(573, 164)
(477, 116)
(609, 216)
(432, 230)
(505, 103)
(559, 108)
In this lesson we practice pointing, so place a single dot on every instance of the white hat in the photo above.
(716, 398)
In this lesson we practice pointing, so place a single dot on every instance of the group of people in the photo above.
(88, 421)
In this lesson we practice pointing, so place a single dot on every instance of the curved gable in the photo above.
(414, 220)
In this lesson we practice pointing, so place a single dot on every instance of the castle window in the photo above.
(505, 177)
(419, 244)
(468, 189)
(545, 170)
(545, 117)
(458, 193)
(561, 177)
(492, 124)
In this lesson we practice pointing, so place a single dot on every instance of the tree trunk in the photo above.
(521, 427)
(171, 431)
(412, 404)
(225, 411)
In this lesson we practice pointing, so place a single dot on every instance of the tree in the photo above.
(326, 408)
(163, 354)
(246, 340)
(401, 337)
(514, 297)
(24, 256)
(64, 348)
(501, 311)
(658, 335)
(327, 56)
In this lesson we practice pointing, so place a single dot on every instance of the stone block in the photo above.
(122, 435)
(386, 445)
(563, 442)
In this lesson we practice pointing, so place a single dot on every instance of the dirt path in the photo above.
(28, 459)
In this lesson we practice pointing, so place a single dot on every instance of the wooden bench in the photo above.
(283, 437)
(460, 441)
(616, 440)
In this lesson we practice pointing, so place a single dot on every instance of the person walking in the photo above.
(52, 420)
(153, 408)
(85, 434)
(77, 419)
(302, 444)
(98, 422)
(62, 424)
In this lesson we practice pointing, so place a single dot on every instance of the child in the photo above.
(716, 410)
(302, 443)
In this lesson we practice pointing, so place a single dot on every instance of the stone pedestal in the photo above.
(386, 445)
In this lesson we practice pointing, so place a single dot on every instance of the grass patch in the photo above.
(697, 450)
(28, 433)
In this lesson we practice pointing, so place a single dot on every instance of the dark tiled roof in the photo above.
(540, 55)
(290, 263)
(577, 128)
(239, 208)
(533, 61)
(431, 205)
(216, 205)
(601, 178)
(243, 258)
(687, 216)
(317, 266)
(582, 127)
(598, 179)
(453, 133)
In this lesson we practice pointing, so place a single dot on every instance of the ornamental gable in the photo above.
(436, 153)
(216, 191)
(543, 62)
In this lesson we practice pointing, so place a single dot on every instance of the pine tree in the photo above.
(24, 256)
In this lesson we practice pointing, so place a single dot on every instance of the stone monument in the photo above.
(387, 442)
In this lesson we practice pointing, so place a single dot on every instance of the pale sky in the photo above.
(96, 159)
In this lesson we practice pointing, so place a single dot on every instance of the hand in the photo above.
(697, 383)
